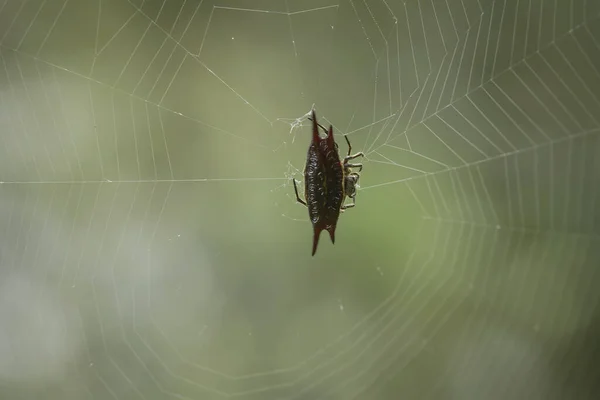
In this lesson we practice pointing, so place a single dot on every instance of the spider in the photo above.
(327, 181)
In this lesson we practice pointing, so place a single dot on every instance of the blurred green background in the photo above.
(151, 246)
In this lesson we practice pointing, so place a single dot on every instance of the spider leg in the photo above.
(353, 156)
(345, 206)
(320, 126)
(349, 145)
(298, 199)
(349, 165)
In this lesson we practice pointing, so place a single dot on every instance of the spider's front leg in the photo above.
(298, 199)
(321, 126)
(351, 157)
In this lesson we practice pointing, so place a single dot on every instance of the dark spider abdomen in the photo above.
(335, 181)
(315, 186)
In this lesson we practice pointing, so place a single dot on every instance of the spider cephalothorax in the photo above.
(327, 182)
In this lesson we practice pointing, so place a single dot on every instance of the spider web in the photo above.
(152, 246)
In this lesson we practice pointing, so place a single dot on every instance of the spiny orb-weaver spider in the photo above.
(327, 181)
